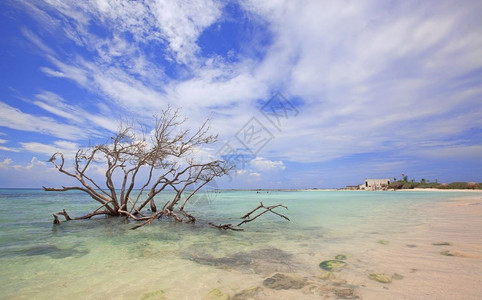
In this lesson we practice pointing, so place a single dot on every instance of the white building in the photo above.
(375, 184)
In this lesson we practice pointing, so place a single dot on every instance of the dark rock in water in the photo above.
(345, 293)
(39, 250)
(338, 282)
(229, 261)
(284, 282)
(332, 265)
(411, 246)
(397, 276)
(441, 244)
(261, 261)
(452, 253)
(341, 257)
(252, 293)
(52, 251)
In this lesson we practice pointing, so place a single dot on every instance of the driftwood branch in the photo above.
(226, 227)
(266, 209)
(65, 214)
(248, 219)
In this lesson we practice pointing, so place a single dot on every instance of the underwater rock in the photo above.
(156, 295)
(397, 276)
(252, 293)
(52, 251)
(441, 244)
(216, 294)
(229, 261)
(341, 257)
(338, 282)
(284, 282)
(383, 242)
(411, 246)
(332, 265)
(345, 293)
(380, 277)
(266, 260)
(452, 253)
(327, 275)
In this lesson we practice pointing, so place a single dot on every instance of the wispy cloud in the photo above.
(366, 77)
(11, 117)
(67, 148)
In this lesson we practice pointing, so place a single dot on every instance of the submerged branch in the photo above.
(246, 216)
(226, 227)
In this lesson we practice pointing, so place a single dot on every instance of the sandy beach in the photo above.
(440, 260)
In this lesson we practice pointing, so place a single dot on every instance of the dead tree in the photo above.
(165, 156)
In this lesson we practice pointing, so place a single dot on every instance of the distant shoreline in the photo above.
(313, 190)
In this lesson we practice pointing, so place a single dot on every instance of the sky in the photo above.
(310, 94)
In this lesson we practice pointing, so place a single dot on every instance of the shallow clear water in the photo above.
(103, 258)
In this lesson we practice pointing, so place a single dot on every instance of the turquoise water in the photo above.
(103, 258)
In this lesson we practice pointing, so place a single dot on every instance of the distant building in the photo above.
(375, 184)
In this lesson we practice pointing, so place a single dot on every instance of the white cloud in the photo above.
(5, 164)
(262, 164)
(67, 148)
(56, 105)
(11, 117)
(182, 22)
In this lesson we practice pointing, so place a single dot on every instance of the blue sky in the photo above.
(337, 91)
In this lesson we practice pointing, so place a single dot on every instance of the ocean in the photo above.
(368, 232)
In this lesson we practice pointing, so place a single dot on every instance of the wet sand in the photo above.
(441, 259)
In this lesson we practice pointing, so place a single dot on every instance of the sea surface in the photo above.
(103, 258)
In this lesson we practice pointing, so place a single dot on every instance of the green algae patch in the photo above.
(441, 244)
(251, 293)
(156, 295)
(327, 275)
(380, 277)
(216, 294)
(383, 242)
(341, 257)
(332, 265)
